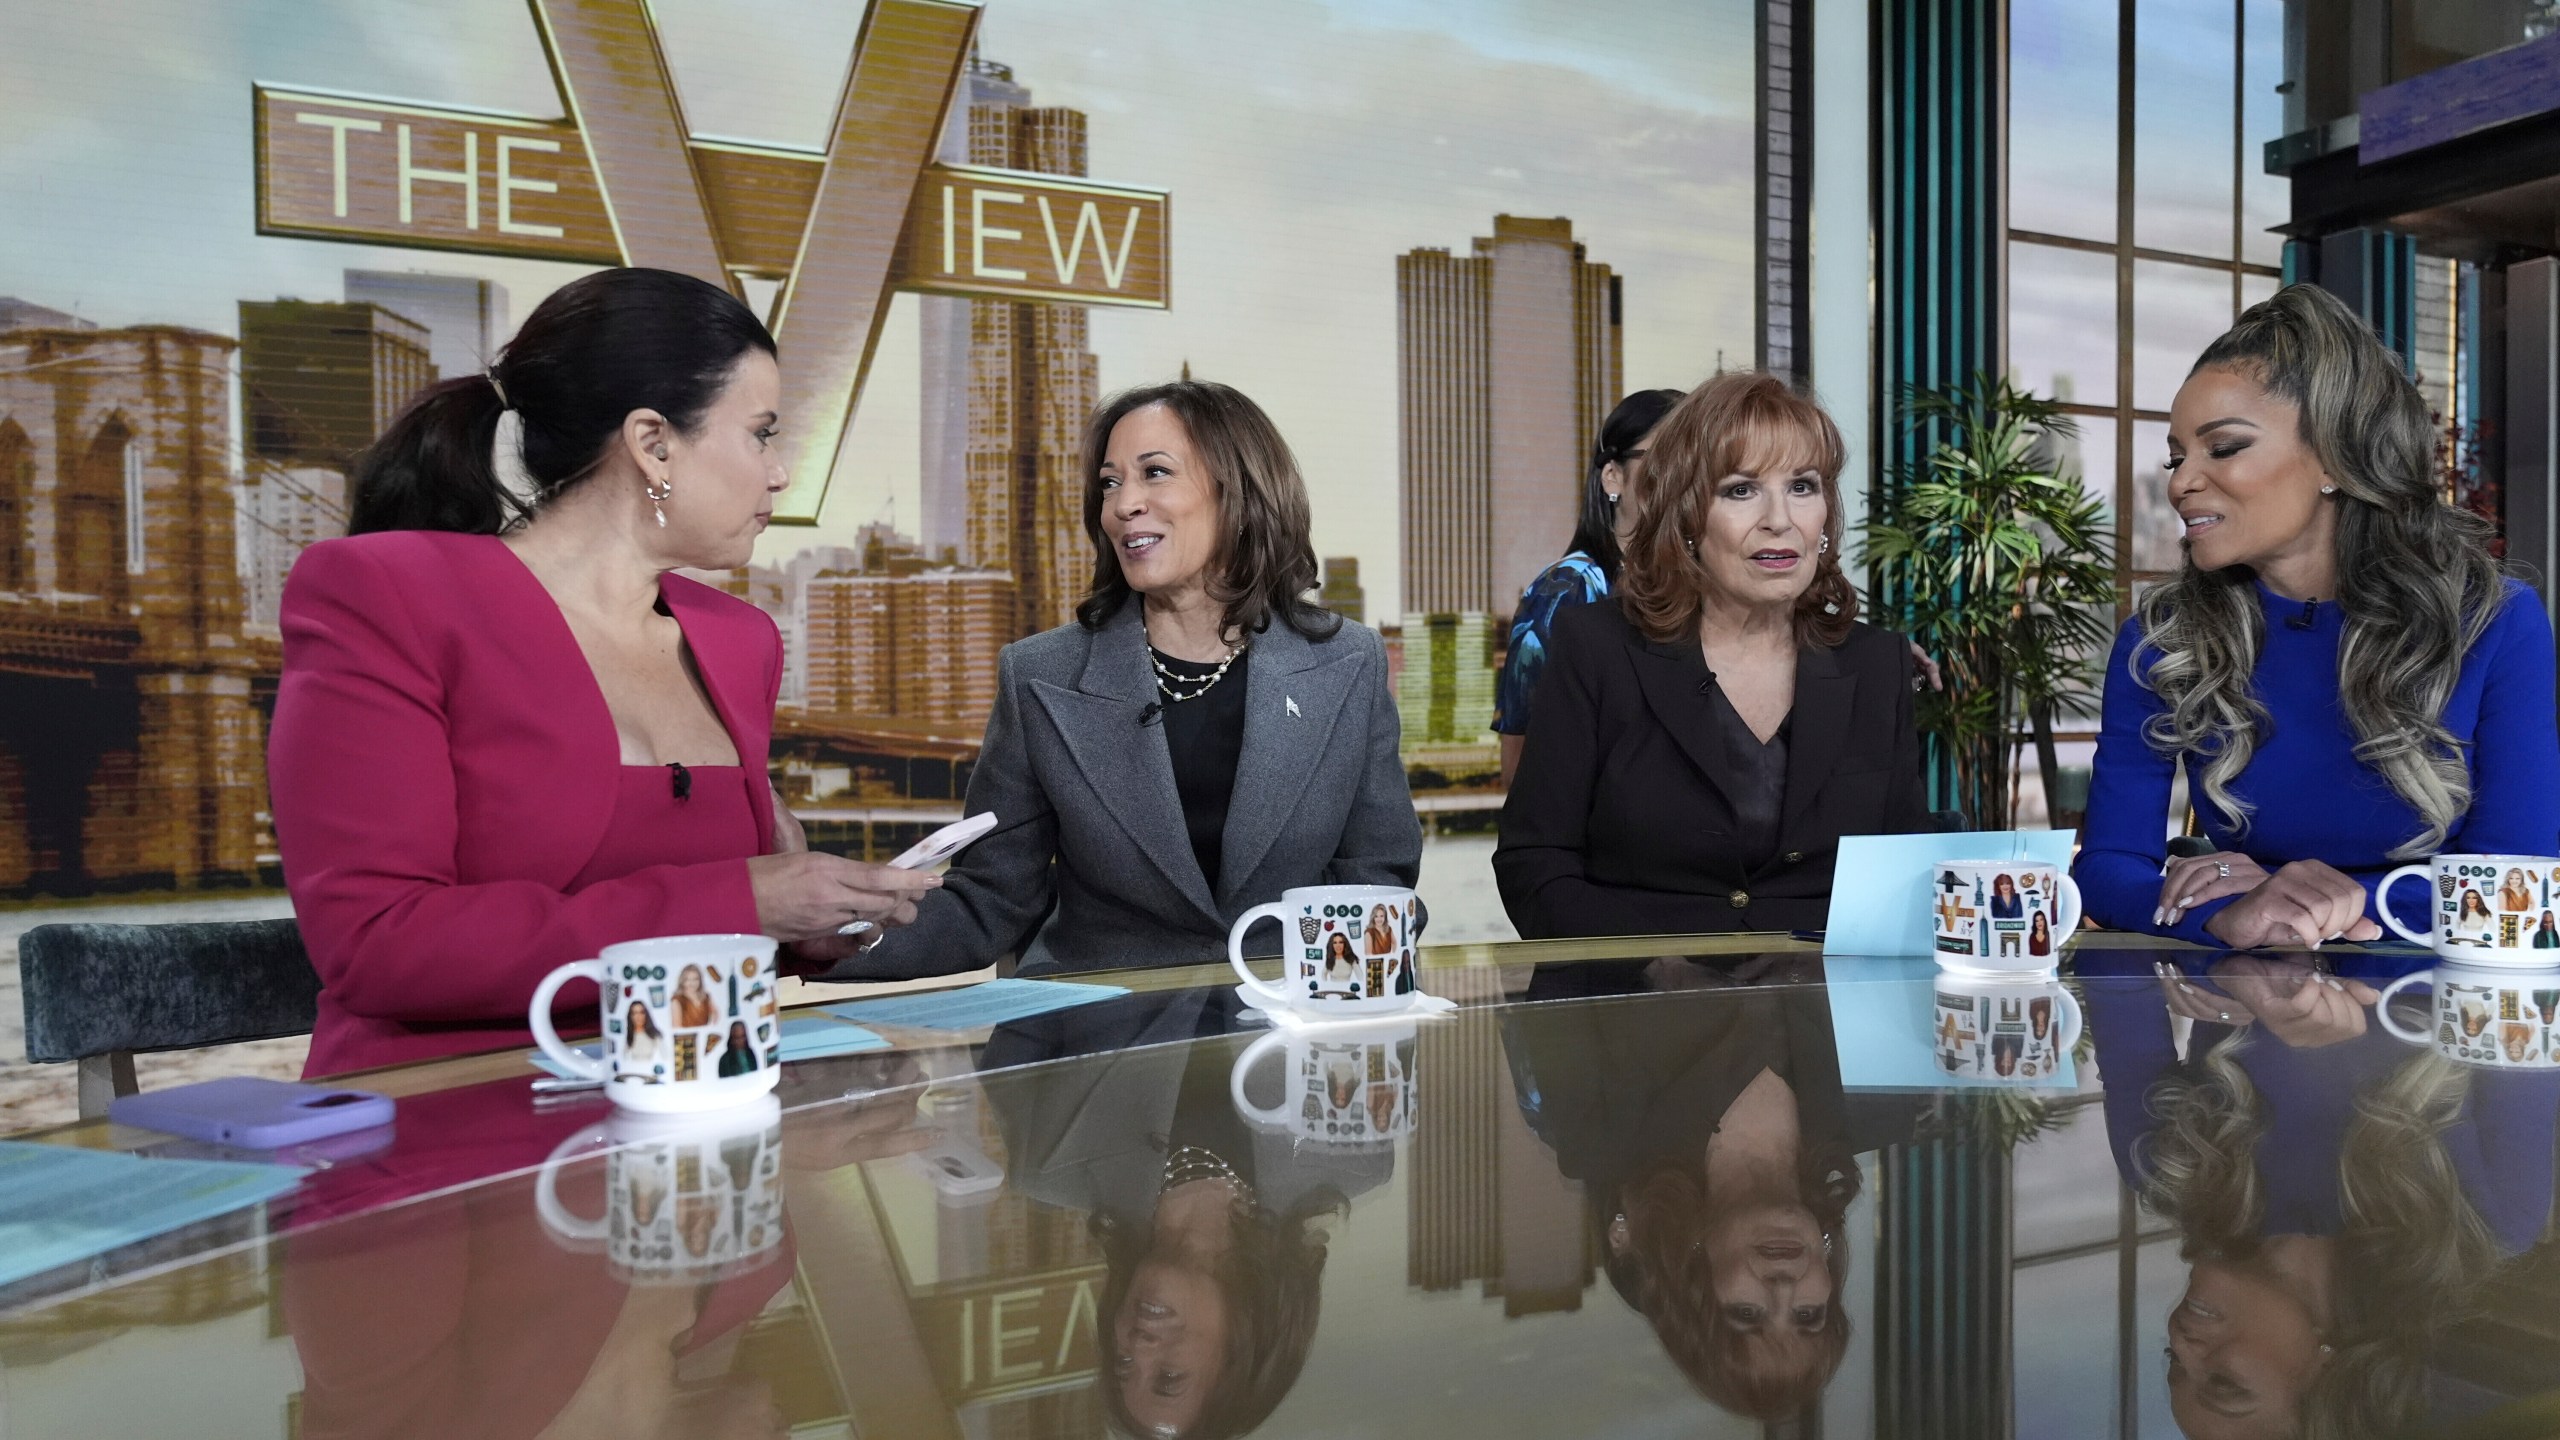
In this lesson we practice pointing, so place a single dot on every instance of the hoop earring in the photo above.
(658, 489)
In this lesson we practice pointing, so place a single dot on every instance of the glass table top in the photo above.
(1687, 1188)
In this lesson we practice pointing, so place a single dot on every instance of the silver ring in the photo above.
(2222, 868)
(2226, 1016)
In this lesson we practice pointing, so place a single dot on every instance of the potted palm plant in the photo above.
(2003, 568)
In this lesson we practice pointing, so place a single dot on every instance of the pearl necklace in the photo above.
(1169, 684)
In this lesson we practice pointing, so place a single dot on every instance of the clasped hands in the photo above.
(2302, 903)
(2299, 1004)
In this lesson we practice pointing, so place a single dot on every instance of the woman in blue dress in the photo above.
(2340, 671)
(1589, 566)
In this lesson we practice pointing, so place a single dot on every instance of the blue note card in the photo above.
(1884, 1017)
(60, 1204)
(1880, 885)
(804, 1037)
(971, 1007)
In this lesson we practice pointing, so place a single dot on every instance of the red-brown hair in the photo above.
(1740, 420)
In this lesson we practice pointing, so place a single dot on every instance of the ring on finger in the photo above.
(2222, 869)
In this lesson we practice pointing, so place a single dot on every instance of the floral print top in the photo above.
(1577, 579)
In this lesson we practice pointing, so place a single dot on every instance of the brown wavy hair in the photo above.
(1266, 560)
(1735, 420)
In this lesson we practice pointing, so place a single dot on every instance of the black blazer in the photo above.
(1617, 825)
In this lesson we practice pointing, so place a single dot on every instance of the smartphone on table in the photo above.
(252, 1113)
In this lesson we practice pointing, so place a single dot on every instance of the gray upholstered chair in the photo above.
(100, 994)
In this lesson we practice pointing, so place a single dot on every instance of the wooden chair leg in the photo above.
(102, 1079)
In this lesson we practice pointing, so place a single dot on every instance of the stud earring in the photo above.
(1613, 499)
(1830, 607)
(1824, 548)
(2328, 489)
(658, 490)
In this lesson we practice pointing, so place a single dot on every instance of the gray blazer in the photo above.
(1091, 850)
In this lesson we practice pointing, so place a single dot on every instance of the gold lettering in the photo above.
(998, 1337)
(338, 126)
(1081, 1303)
(969, 1341)
(950, 236)
(979, 231)
(1089, 217)
(508, 184)
(468, 177)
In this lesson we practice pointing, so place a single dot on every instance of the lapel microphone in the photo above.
(2303, 621)
(680, 780)
(1150, 715)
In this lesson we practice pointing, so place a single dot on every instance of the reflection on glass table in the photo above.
(1649, 1187)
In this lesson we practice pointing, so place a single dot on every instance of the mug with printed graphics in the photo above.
(688, 1199)
(2004, 1031)
(2489, 909)
(2497, 1017)
(689, 1021)
(1345, 949)
(2002, 917)
(1348, 1087)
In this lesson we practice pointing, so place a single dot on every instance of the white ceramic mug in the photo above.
(1341, 1087)
(689, 1199)
(2499, 1018)
(2004, 1031)
(2489, 909)
(689, 1021)
(1345, 950)
(2001, 917)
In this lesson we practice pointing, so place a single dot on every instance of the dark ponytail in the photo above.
(1595, 530)
(597, 349)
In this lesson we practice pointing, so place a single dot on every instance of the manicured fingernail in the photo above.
(2186, 901)
(2159, 917)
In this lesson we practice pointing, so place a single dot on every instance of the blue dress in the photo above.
(1577, 579)
(2313, 799)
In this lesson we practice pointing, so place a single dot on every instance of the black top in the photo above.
(1632, 814)
(1756, 780)
(1205, 735)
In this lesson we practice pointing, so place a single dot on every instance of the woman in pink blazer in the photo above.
(506, 736)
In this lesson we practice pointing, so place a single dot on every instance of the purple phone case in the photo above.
(255, 1114)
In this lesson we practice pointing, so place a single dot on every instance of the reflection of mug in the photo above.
(2489, 909)
(2003, 1031)
(2494, 1017)
(688, 1199)
(689, 1021)
(1345, 950)
(2001, 917)
(1350, 1088)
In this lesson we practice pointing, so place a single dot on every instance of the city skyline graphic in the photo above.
(180, 404)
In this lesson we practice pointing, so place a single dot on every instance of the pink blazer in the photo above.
(442, 766)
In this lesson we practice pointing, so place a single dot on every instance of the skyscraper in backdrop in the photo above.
(1007, 386)
(465, 316)
(1508, 359)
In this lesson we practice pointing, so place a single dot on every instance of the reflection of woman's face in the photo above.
(1772, 1282)
(2243, 1347)
(1168, 1343)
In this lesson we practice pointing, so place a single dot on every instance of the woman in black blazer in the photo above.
(1697, 749)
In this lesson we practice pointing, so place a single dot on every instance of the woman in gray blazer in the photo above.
(1197, 741)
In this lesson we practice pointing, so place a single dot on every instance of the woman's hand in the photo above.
(2191, 880)
(2304, 903)
(808, 894)
(2297, 1003)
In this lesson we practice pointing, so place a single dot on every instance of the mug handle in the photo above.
(2382, 903)
(1277, 910)
(2069, 925)
(1245, 1062)
(558, 1218)
(2382, 1007)
(539, 1017)
(2070, 1021)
